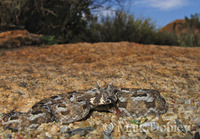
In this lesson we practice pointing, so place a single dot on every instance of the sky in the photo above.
(163, 12)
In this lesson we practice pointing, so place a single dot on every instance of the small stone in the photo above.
(189, 108)
(108, 131)
(71, 125)
(106, 120)
(181, 110)
(175, 110)
(116, 133)
(42, 127)
(9, 136)
(198, 111)
(155, 119)
(180, 126)
(83, 124)
(94, 132)
(1, 115)
(48, 135)
(41, 135)
(188, 102)
(62, 137)
(169, 117)
(198, 124)
(77, 136)
(80, 131)
(98, 122)
(53, 130)
(64, 129)
(176, 137)
(170, 110)
(181, 101)
(196, 120)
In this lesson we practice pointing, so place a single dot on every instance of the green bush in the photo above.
(49, 40)
(188, 40)
(123, 27)
(192, 36)
(163, 38)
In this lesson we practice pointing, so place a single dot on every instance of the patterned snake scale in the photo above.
(74, 106)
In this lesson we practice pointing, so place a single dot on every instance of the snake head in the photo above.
(104, 96)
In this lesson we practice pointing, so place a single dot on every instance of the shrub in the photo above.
(123, 27)
(49, 40)
(188, 40)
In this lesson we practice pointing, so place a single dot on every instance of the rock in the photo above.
(9, 136)
(188, 102)
(169, 117)
(42, 127)
(180, 126)
(181, 110)
(42, 135)
(53, 130)
(83, 124)
(181, 101)
(108, 131)
(1, 115)
(64, 129)
(189, 108)
(76, 137)
(48, 135)
(196, 120)
(198, 124)
(117, 133)
(198, 111)
(80, 131)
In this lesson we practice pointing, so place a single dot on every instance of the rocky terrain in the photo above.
(30, 74)
(178, 26)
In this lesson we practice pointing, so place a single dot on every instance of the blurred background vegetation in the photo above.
(71, 21)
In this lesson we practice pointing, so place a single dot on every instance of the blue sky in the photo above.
(163, 12)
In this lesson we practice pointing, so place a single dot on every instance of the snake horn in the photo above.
(99, 86)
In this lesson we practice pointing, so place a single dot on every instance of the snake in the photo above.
(76, 105)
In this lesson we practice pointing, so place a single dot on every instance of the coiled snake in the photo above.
(74, 106)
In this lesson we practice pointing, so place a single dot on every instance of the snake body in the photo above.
(74, 106)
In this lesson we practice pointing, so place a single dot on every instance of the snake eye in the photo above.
(108, 101)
